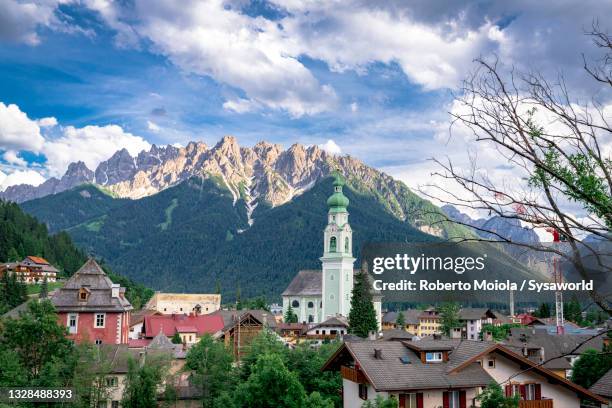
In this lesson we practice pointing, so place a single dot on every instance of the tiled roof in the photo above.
(411, 316)
(472, 313)
(309, 282)
(230, 317)
(391, 373)
(395, 335)
(186, 329)
(553, 345)
(169, 324)
(91, 277)
(603, 386)
(305, 283)
(38, 260)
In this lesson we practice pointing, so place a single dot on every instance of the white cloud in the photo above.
(2, 178)
(12, 157)
(47, 122)
(90, 144)
(19, 20)
(331, 147)
(354, 107)
(152, 126)
(17, 131)
(21, 177)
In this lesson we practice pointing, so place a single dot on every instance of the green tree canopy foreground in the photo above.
(493, 397)
(212, 369)
(591, 366)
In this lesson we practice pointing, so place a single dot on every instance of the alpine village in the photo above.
(332, 341)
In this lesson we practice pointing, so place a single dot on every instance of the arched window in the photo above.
(310, 305)
(295, 303)
(346, 244)
(310, 318)
(331, 277)
(332, 244)
(331, 297)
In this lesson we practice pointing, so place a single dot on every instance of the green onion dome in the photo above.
(338, 201)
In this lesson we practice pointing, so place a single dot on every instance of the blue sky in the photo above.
(378, 81)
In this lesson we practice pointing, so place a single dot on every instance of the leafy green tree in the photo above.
(449, 317)
(572, 311)
(401, 320)
(498, 332)
(362, 317)
(381, 402)
(307, 361)
(176, 338)
(212, 369)
(37, 338)
(315, 400)
(265, 342)
(142, 381)
(590, 367)
(493, 397)
(271, 385)
(12, 372)
(543, 311)
(13, 256)
(90, 371)
(290, 316)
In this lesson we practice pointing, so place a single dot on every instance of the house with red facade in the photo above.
(93, 308)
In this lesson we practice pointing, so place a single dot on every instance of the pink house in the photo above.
(93, 308)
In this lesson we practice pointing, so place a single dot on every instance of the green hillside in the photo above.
(187, 237)
(21, 235)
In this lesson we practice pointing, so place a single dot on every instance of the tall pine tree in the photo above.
(362, 318)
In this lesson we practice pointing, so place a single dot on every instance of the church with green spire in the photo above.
(317, 295)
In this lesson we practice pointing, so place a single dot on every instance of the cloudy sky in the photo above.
(80, 79)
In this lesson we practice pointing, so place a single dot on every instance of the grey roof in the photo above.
(473, 313)
(391, 374)
(603, 386)
(16, 312)
(553, 345)
(395, 335)
(332, 322)
(307, 282)
(411, 316)
(231, 316)
(92, 277)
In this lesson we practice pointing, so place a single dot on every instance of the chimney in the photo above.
(378, 354)
(265, 319)
(141, 358)
(115, 290)
(371, 335)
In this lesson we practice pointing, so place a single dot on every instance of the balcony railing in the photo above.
(542, 403)
(353, 375)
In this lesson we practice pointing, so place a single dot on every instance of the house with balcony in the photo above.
(447, 373)
(33, 269)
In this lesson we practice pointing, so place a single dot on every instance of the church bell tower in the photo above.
(337, 260)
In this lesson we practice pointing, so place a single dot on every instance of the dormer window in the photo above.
(432, 357)
(83, 294)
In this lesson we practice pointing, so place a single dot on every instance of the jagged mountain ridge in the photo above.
(264, 174)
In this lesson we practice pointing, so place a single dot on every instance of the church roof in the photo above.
(307, 282)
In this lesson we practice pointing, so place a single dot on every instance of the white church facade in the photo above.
(317, 295)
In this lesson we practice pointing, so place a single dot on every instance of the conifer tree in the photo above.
(176, 338)
(44, 289)
(290, 316)
(362, 318)
(401, 320)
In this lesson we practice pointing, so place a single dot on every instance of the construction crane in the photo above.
(557, 276)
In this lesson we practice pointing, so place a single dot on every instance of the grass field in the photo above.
(34, 289)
